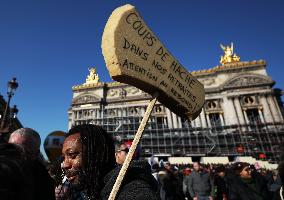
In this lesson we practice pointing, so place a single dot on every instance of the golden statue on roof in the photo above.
(93, 77)
(229, 55)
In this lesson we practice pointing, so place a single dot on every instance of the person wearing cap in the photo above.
(243, 185)
(186, 173)
(121, 153)
(138, 183)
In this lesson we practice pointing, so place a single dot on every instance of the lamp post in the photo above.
(6, 118)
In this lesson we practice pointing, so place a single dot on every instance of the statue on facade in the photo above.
(229, 55)
(93, 77)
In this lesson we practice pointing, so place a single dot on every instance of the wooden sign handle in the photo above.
(133, 147)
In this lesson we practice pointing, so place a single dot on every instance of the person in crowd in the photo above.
(121, 153)
(89, 165)
(279, 194)
(273, 181)
(14, 182)
(170, 188)
(186, 173)
(242, 185)
(168, 166)
(200, 183)
(220, 183)
(29, 140)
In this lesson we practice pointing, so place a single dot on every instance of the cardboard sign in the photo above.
(135, 56)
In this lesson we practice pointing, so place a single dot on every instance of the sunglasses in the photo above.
(247, 169)
(125, 150)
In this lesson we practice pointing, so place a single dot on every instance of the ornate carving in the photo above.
(111, 112)
(82, 99)
(247, 80)
(132, 90)
(134, 111)
(212, 105)
(249, 101)
(113, 92)
(123, 93)
(208, 82)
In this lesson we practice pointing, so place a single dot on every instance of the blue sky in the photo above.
(49, 44)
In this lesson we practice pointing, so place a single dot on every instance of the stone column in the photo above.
(193, 123)
(261, 115)
(208, 120)
(273, 108)
(266, 110)
(278, 108)
(229, 112)
(143, 110)
(203, 118)
(222, 119)
(75, 113)
(119, 112)
(179, 122)
(239, 110)
(197, 122)
(165, 122)
(98, 113)
(124, 112)
(246, 117)
(175, 121)
(169, 118)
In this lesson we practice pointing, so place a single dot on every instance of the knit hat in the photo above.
(238, 167)
(220, 168)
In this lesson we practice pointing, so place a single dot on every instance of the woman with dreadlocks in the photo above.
(88, 155)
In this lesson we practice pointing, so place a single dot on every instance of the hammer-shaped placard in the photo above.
(134, 55)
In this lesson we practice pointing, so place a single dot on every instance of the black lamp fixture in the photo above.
(13, 112)
(9, 113)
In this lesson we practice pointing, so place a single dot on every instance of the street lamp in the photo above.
(4, 125)
(13, 112)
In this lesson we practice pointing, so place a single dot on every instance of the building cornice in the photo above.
(199, 73)
(228, 67)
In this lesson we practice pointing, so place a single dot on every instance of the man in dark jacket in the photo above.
(244, 185)
(220, 184)
(200, 184)
(42, 184)
(138, 184)
(170, 186)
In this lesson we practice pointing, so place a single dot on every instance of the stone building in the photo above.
(242, 114)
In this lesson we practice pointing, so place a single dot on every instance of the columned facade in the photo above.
(241, 111)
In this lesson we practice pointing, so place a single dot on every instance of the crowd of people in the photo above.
(91, 161)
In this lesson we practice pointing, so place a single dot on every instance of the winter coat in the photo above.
(239, 190)
(170, 186)
(220, 184)
(138, 183)
(200, 184)
(42, 184)
(277, 194)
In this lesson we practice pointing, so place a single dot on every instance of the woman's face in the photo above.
(245, 173)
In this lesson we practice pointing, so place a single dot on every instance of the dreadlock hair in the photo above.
(97, 155)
